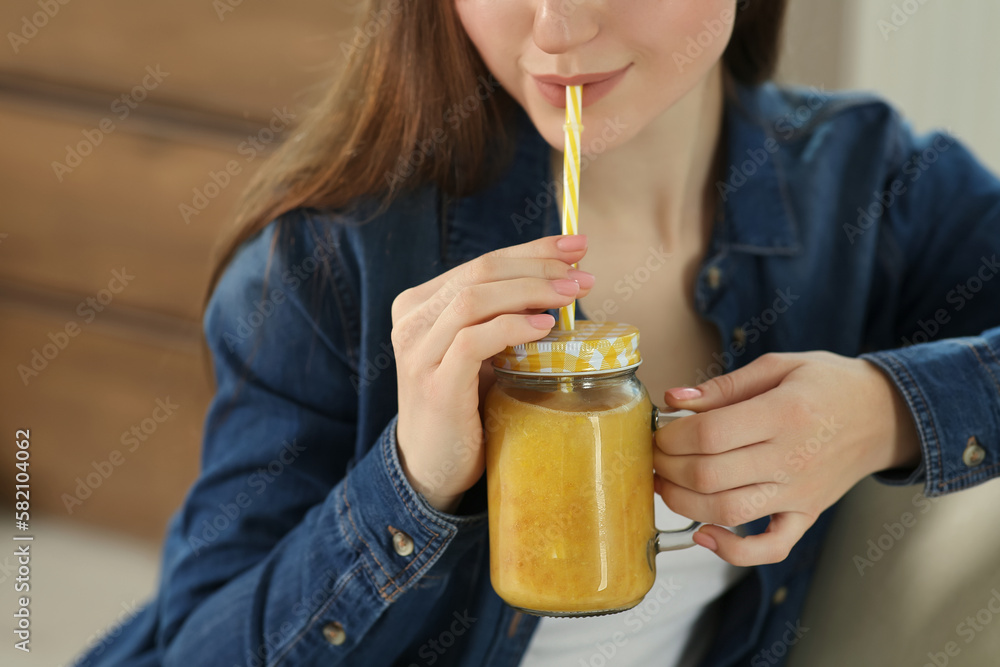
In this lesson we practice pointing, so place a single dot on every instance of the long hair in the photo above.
(368, 137)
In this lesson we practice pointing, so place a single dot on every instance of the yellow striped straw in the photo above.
(571, 183)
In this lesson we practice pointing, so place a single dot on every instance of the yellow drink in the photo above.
(570, 481)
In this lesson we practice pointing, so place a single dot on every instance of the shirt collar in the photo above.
(757, 216)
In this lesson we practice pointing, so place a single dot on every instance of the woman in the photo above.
(410, 231)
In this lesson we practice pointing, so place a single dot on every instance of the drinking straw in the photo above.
(571, 184)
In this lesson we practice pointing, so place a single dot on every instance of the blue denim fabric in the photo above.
(841, 230)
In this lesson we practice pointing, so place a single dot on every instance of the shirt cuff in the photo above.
(952, 389)
(399, 535)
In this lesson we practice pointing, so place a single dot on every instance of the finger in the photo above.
(477, 304)
(713, 473)
(761, 375)
(721, 430)
(420, 318)
(772, 546)
(733, 507)
(503, 264)
(462, 362)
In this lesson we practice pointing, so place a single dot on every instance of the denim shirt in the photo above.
(302, 543)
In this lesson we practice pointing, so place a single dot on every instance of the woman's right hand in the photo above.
(445, 330)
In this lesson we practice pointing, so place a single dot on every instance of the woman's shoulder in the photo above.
(848, 141)
(284, 284)
(310, 268)
(795, 110)
(304, 246)
(804, 117)
(849, 160)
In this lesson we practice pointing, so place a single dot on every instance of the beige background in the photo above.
(941, 68)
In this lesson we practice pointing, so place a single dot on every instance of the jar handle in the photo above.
(672, 540)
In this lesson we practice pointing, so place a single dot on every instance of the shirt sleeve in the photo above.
(937, 307)
(284, 551)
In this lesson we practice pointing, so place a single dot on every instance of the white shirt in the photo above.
(656, 631)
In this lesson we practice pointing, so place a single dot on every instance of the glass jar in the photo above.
(569, 465)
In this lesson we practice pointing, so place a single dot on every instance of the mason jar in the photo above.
(569, 465)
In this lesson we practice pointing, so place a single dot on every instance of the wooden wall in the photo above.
(209, 76)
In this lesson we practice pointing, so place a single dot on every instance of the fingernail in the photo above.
(566, 287)
(685, 393)
(543, 321)
(572, 243)
(586, 280)
(704, 539)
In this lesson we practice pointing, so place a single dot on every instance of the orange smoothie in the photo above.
(570, 487)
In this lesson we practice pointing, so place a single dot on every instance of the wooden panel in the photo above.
(118, 208)
(256, 56)
(107, 379)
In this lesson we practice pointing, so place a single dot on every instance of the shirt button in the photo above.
(779, 595)
(739, 336)
(402, 542)
(334, 633)
(974, 453)
(714, 277)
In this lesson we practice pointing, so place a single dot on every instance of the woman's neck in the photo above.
(663, 178)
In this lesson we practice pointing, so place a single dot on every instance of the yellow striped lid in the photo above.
(590, 347)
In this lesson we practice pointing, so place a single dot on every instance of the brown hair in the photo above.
(368, 138)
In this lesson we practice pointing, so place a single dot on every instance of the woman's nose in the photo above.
(561, 25)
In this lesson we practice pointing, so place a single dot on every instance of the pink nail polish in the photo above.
(685, 393)
(572, 243)
(543, 321)
(585, 279)
(566, 287)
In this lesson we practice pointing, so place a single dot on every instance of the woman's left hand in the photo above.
(785, 436)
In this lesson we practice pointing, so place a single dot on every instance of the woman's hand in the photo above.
(444, 334)
(785, 436)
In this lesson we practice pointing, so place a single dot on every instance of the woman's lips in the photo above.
(595, 86)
